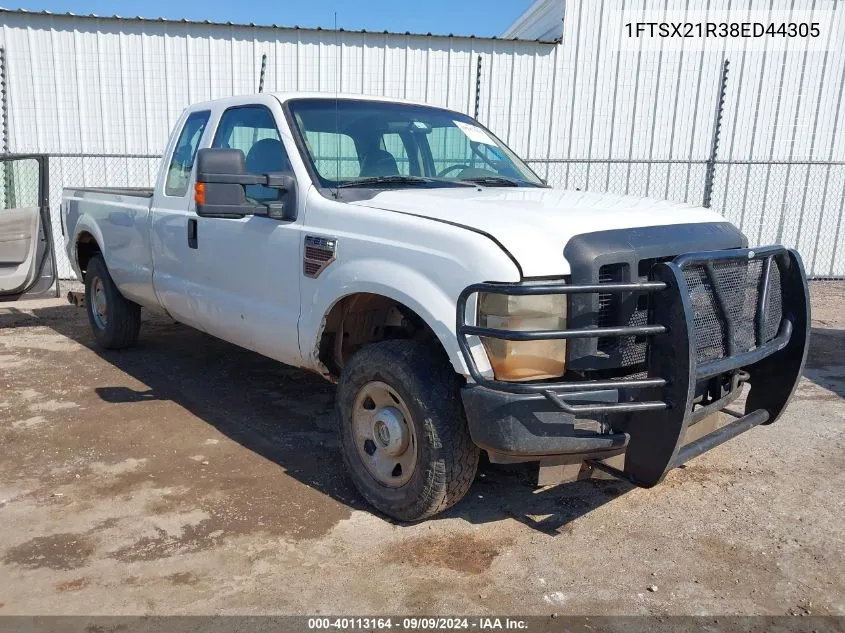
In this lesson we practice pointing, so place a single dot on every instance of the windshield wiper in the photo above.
(387, 180)
(494, 181)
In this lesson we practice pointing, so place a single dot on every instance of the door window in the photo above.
(20, 182)
(252, 130)
(182, 162)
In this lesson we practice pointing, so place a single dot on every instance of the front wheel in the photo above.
(115, 321)
(403, 431)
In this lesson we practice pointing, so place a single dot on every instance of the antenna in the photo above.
(337, 108)
(261, 76)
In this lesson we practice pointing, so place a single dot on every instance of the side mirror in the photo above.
(219, 190)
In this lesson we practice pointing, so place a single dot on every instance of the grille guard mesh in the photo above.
(761, 333)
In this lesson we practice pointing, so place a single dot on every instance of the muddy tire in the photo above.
(115, 321)
(403, 432)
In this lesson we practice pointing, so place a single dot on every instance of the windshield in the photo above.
(370, 143)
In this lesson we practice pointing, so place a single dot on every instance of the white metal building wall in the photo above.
(106, 86)
(638, 122)
(103, 85)
(780, 175)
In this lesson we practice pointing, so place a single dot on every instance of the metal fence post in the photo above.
(710, 172)
(8, 172)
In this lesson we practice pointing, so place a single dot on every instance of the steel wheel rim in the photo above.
(99, 304)
(383, 432)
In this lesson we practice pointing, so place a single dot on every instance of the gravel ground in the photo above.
(187, 476)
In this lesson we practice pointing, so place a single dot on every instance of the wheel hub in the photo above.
(390, 432)
(99, 303)
(384, 434)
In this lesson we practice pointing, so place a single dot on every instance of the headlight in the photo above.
(524, 360)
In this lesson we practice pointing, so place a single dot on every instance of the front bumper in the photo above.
(647, 416)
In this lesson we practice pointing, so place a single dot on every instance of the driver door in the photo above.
(250, 268)
(27, 259)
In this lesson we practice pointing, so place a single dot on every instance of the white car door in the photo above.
(249, 269)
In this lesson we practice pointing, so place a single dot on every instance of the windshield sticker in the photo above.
(475, 134)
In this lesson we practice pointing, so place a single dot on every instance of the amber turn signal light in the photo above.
(199, 193)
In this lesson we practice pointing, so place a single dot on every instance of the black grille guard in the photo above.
(772, 368)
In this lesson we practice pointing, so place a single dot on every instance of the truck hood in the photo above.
(534, 225)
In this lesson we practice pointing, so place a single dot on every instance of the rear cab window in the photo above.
(184, 154)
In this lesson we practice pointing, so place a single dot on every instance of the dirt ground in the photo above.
(187, 476)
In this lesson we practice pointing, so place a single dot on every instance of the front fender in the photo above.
(390, 279)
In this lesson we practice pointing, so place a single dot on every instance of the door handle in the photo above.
(192, 233)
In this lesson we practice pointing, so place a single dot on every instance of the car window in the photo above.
(182, 161)
(19, 184)
(334, 154)
(349, 140)
(252, 129)
(450, 146)
(393, 144)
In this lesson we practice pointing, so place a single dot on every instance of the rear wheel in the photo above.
(115, 321)
(403, 432)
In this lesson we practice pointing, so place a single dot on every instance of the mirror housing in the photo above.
(220, 193)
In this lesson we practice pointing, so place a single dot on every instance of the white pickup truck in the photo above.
(405, 252)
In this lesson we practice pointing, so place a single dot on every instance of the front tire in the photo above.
(115, 321)
(403, 432)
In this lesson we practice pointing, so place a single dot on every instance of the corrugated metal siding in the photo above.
(80, 84)
(637, 122)
(781, 139)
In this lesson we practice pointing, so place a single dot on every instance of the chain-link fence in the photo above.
(680, 180)
(93, 170)
(798, 204)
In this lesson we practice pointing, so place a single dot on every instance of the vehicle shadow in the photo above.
(826, 359)
(262, 404)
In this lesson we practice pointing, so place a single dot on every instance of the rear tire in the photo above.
(115, 321)
(408, 380)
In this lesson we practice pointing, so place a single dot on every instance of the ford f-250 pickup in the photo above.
(461, 304)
